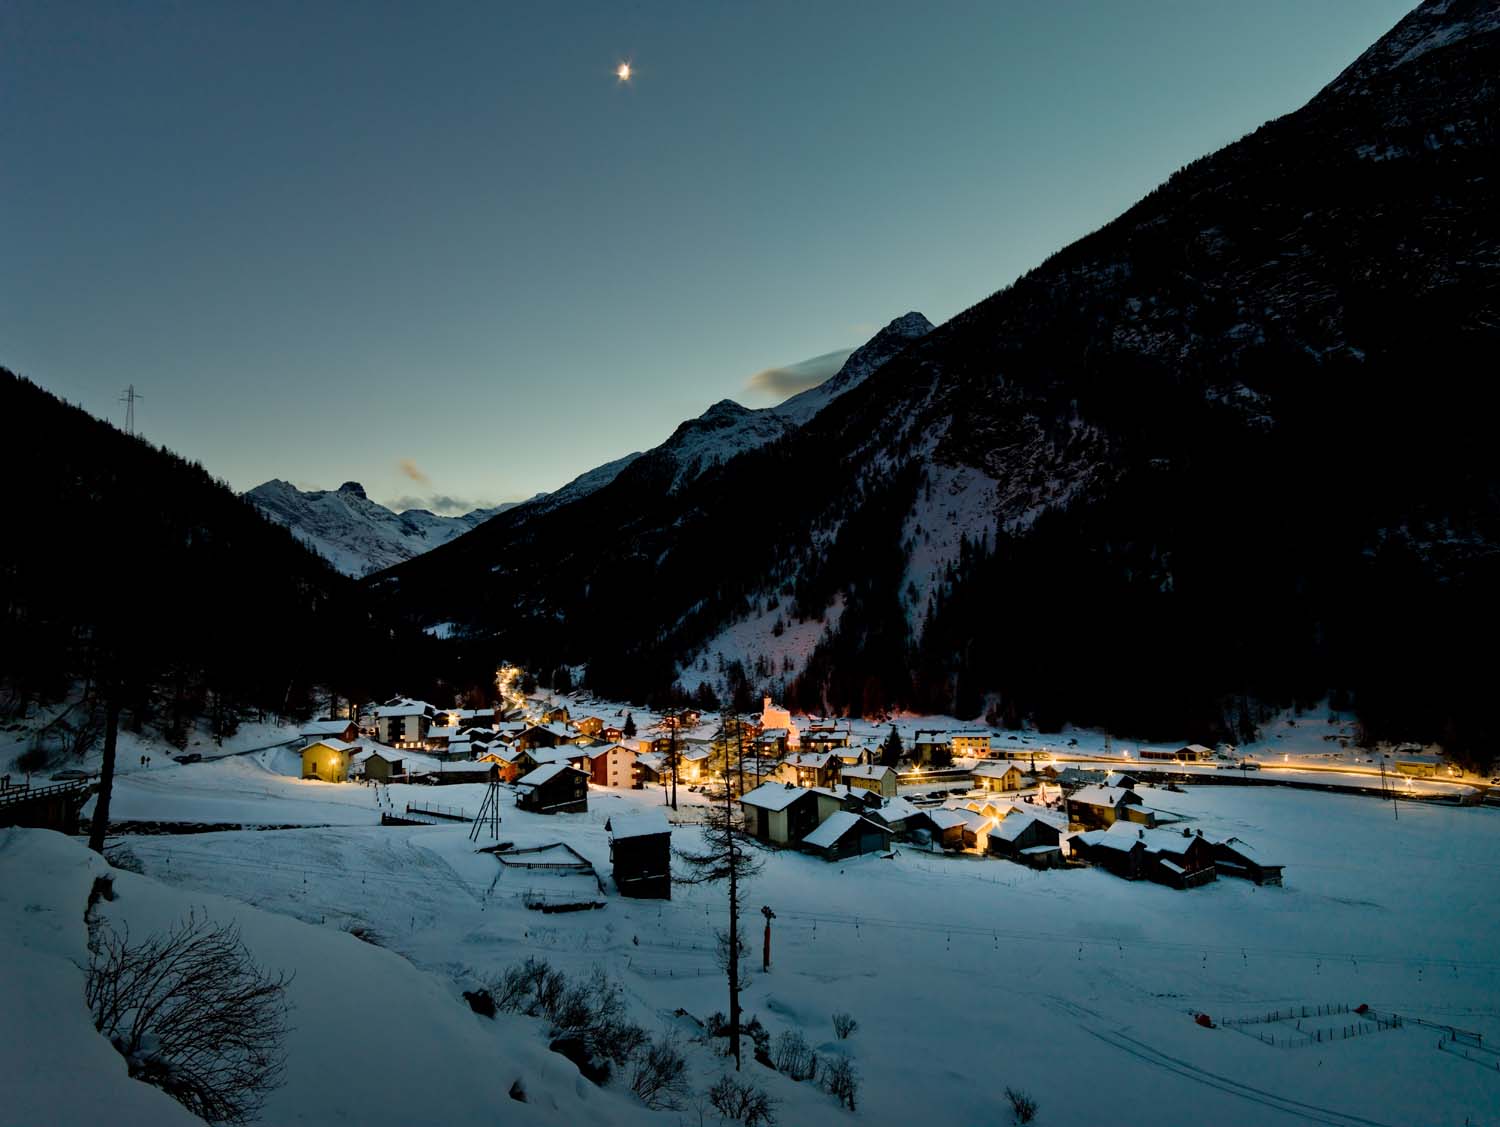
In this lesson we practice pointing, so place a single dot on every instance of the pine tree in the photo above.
(891, 750)
(727, 858)
(628, 728)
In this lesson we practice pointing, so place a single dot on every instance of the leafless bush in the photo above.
(844, 1025)
(1022, 1106)
(192, 1014)
(742, 1103)
(532, 988)
(841, 1081)
(588, 1017)
(793, 1057)
(659, 1075)
(123, 857)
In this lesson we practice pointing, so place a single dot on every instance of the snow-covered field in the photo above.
(966, 975)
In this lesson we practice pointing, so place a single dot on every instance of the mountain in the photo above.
(727, 429)
(1227, 453)
(355, 534)
(133, 568)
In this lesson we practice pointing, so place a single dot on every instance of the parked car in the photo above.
(70, 775)
(188, 757)
(1246, 765)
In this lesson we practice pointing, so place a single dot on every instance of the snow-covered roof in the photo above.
(773, 796)
(403, 707)
(1103, 796)
(603, 749)
(332, 744)
(542, 774)
(779, 733)
(997, 769)
(1156, 841)
(836, 826)
(896, 809)
(945, 819)
(1198, 749)
(866, 771)
(645, 824)
(817, 759)
(1015, 825)
(1106, 840)
(323, 727)
(1118, 779)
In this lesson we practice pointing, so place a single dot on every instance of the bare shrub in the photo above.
(192, 1014)
(659, 1074)
(844, 1026)
(841, 1081)
(1022, 1106)
(793, 1057)
(588, 1020)
(532, 988)
(742, 1103)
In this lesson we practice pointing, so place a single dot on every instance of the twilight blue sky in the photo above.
(326, 240)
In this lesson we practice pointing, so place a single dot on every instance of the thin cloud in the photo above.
(792, 378)
(413, 471)
(439, 503)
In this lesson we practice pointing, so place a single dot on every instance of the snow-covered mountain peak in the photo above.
(355, 534)
(729, 428)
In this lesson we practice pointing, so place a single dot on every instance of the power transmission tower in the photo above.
(128, 397)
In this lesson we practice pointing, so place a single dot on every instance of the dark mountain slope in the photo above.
(126, 562)
(1231, 450)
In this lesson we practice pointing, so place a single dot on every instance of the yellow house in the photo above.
(328, 760)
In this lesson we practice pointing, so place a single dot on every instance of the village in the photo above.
(1160, 920)
(831, 788)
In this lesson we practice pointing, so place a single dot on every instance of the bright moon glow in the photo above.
(622, 72)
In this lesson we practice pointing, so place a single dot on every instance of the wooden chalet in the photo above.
(553, 788)
(1236, 858)
(1000, 775)
(783, 814)
(846, 834)
(1099, 807)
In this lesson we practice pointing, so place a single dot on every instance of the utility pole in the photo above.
(128, 397)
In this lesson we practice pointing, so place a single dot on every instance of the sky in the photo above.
(442, 250)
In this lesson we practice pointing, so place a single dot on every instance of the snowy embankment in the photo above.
(372, 1040)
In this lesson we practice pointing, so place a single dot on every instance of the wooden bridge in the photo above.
(54, 807)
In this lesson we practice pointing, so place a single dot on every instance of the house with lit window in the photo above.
(999, 775)
(1099, 807)
(809, 769)
(611, 765)
(971, 742)
(328, 760)
(404, 723)
(870, 777)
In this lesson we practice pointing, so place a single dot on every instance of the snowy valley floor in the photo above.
(966, 975)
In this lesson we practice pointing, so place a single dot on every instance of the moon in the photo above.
(622, 72)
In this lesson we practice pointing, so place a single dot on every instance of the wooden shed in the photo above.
(640, 849)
